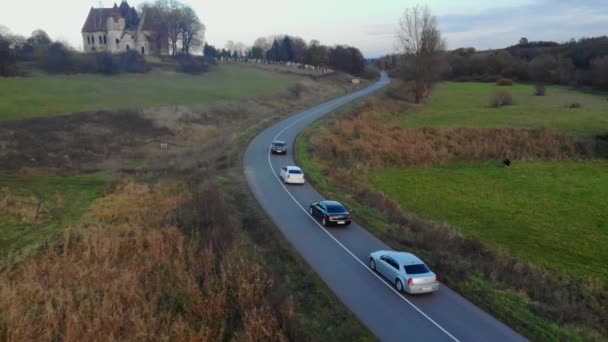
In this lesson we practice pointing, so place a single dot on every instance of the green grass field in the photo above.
(454, 105)
(552, 214)
(65, 201)
(61, 94)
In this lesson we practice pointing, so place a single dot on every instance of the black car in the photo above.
(330, 212)
(278, 147)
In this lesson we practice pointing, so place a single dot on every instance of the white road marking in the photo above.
(338, 242)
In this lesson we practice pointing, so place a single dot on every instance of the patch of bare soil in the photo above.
(76, 142)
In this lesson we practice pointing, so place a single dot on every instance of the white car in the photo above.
(405, 270)
(292, 175)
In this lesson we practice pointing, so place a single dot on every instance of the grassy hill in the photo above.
(45, 95)
(468, 105)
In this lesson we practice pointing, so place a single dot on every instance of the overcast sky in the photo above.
(367, 24)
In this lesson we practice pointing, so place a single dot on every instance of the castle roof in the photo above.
(97, 20)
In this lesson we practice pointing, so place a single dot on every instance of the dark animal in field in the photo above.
(507, 162)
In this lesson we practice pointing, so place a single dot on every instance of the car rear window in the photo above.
(335, 209)
(295, 172)
(416, 269)
(279, 144)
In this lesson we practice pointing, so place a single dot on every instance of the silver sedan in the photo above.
(405, 270)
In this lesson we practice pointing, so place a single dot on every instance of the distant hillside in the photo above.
(582, 62)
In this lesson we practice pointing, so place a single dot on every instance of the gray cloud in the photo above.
(557, 20)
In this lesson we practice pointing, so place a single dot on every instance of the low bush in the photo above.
(59, 59)
(191, 64)
(133, 62)
(370, 72)
(501, 98)
(8, 60)
(540, 90)
(297, 89)
(504, 82)
(574, 105)
(106, 64)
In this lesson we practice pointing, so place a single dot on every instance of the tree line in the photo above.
(575, 63)
(582, 62)
(296, 50)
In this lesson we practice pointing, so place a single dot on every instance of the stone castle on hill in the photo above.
(121, 28)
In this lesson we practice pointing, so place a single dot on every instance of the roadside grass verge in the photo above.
(35, 210)
(455, 105)
(46, 95)
(511, 305)
(537, 302)
(552, 214)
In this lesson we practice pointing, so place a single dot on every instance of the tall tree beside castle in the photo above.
(161, 28)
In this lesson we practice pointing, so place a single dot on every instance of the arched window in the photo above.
(100, 40)
(143, 50)
(88, 40)
(117, 41)
(105, 39)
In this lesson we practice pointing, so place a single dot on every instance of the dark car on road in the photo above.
(330, 212)
(278, 147)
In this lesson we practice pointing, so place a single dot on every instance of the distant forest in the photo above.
(582, 62)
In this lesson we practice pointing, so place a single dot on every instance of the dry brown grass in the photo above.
(121, 279)
(370, 139)
(167, 259)
(28, 208)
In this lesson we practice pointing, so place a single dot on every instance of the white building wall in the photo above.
(92, 43)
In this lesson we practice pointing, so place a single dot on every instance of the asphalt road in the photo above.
(339, 255)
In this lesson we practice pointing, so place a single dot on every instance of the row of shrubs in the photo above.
(58, 59)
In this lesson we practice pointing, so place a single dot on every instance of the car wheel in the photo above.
(311, 212)
(324, 222)
(399, 285)
(372, 264)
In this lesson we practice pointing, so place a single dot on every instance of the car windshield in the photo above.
(279, 144)
(335, 209)
(295, 172)
(416, 269)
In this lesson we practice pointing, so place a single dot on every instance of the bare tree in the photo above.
(423, 47)
(173, 15)
(191, 28)
(263, 43)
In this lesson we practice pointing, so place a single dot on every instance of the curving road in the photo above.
(339, 255)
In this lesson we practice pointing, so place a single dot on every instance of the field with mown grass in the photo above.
(552, 214)
(36, 209)
(45, 95)
(453, 105)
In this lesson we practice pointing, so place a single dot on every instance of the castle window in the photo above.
(117, 41)
(105, 39)
(100, 40)
(88, 40)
